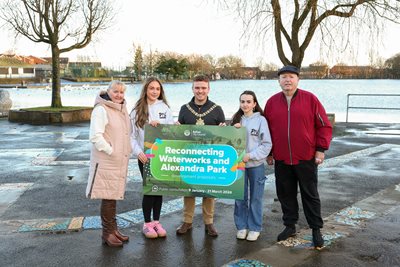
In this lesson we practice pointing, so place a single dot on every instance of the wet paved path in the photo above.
(43, 172)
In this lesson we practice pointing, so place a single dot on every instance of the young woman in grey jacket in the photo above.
(248, 212)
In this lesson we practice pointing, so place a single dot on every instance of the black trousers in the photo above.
(150, 203)
(288, 177)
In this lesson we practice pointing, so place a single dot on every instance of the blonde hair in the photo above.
(116, 83)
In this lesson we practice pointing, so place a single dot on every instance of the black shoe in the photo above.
(287, 232)
(317, 238)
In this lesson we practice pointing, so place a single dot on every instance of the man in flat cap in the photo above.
(300, 132)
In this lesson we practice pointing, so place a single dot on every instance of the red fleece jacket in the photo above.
(299, 130)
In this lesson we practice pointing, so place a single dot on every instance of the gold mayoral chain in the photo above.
(199, 120)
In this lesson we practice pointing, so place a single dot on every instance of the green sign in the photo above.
(194, 160)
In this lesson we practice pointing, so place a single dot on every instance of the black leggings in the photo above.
(150, 203)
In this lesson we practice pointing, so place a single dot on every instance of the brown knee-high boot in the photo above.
(118, 234)
(108, 222)
(121, 236)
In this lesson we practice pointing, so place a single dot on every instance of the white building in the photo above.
(12, 68)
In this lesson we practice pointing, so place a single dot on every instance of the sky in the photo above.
(186, 27)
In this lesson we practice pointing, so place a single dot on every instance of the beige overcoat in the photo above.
(107, 173)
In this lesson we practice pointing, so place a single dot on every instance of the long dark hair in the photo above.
(238, 115)
(141, 106)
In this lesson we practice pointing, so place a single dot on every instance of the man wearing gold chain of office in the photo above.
(200, 111)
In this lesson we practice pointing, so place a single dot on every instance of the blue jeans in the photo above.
(249, 211)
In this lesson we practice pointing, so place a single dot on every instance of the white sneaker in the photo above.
(252, 236)
(241, 234)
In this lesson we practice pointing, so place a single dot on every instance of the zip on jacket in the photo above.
(94, 177)
(288, 133)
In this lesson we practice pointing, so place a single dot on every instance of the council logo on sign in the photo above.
(186, 132)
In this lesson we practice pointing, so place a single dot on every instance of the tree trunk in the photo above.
(56, 82)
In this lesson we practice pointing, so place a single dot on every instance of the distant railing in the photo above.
(364, 107)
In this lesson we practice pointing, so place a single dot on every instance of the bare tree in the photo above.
(55, 22)
(230, 67)
(149, 62)
(393, 65)
(294, 23)
(199, 64)
(138, 63)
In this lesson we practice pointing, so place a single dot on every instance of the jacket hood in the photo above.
(101, 99)
(253, 116)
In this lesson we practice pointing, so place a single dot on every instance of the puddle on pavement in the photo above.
(353, 216)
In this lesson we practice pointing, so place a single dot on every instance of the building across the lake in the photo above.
(18, 69)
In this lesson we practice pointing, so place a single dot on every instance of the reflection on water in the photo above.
(332, 94)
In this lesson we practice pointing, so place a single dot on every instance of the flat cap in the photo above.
(289, 68)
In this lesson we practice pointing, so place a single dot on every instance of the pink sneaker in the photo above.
(159, 229)
(148, 230)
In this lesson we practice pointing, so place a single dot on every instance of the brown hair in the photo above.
(238, 115)
(141, 106)
(202, 78)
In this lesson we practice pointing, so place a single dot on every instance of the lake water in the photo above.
(332, 94)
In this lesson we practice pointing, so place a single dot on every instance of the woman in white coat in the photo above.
(151, 108)
(110, 131)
